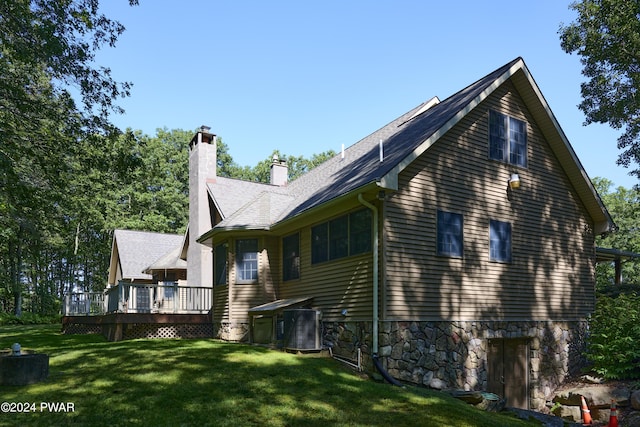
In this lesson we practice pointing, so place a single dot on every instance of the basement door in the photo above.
(508, 370)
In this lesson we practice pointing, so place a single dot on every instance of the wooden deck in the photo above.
(123, 326)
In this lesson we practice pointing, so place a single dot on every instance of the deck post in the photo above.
(176, 296)
(121, 306)
(67, 304)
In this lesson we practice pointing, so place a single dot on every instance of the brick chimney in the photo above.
(202, 170)
(279, 171)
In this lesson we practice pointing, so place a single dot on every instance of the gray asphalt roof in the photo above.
(140, 249)
(169, 261)
(252, 205)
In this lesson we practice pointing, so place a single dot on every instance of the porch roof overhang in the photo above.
(273, 307)
(610, 255)
(617, 257)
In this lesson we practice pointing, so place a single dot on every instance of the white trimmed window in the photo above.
(499, 241)
(247, 261)
(507, 139)
(449, 236)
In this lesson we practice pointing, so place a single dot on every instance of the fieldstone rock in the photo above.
(591, 380)
(570, 413)
(635, 399)
(385, 351)
(597, 396)
(470, 397)
(632, 420)
(428, 376)
(437, 384)
(546, 420)
(601, 415)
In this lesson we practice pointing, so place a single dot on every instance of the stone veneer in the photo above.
(231, 331)
(453, 355)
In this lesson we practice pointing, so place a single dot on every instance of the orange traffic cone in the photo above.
(586, 413)
(613, 418)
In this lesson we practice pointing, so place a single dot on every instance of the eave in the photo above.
(216, 233)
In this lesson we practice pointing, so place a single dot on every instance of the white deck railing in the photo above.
(125, 297)
(83, 304)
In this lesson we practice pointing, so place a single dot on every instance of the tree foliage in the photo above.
(296, 165)
(59, 39)
(68, 178)
(132, 181)
(606, 36)
(613, 345)
(47, 49)
(624, 206)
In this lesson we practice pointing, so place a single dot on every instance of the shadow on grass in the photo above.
(208, 382)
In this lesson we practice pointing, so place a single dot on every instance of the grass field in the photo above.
(210, 383)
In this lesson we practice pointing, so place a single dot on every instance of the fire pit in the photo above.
(22, 367)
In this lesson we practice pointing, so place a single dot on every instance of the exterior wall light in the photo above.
(514, 181)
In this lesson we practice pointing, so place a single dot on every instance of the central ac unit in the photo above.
(302, 329)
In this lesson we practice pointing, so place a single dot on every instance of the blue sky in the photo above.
(304, 77)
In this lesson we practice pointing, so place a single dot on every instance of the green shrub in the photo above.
(613, 345)
(27, 318)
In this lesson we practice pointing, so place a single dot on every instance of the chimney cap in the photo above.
(203, 134)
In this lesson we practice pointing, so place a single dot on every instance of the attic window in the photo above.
(507, 139)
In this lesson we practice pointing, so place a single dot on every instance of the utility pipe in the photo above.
(374, 210)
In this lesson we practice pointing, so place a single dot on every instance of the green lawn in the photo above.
(210, 383)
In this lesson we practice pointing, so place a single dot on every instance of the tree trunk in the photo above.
(15, 256)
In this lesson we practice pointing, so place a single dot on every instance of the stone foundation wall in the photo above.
(228, 331)
(445, 355)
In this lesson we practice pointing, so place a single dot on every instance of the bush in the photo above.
(613, 345)
(27, 319)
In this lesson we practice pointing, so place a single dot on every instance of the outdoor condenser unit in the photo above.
(302, 329)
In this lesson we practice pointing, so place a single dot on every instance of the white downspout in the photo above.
(375, 271)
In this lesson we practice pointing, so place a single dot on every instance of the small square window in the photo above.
(499, 241)
(449, 235)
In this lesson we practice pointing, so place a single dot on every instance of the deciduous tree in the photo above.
(606, 36)
(47, 49)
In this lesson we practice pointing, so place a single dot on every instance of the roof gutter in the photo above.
(376, 256)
